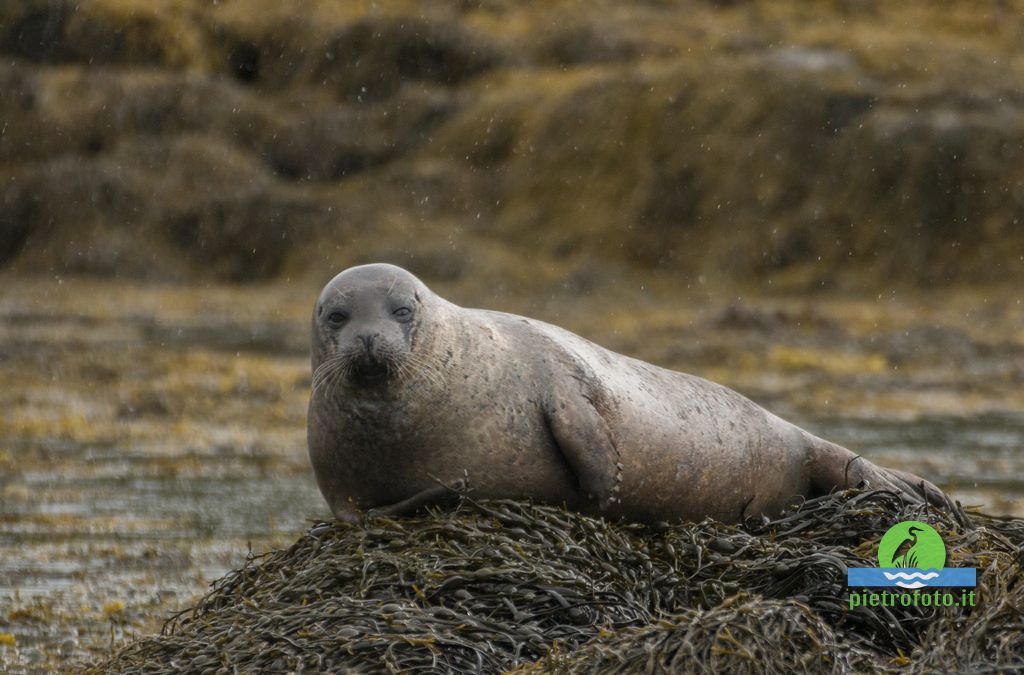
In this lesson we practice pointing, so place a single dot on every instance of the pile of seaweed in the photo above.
(503, 585)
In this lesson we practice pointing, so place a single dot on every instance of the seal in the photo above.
(414, 397)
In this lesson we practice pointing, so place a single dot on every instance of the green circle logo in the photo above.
(912, 544)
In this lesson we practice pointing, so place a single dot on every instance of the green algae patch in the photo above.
(500, 585)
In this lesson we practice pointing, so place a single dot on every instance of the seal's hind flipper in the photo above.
(932, 495)
(833, 467)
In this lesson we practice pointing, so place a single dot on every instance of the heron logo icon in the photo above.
(912, 544)
(911, 555)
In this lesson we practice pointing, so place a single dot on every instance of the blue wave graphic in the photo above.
(925, 576)
(911, 578)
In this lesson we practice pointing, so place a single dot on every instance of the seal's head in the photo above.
(365, 327)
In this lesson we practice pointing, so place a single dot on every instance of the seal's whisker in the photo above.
(402, 369)
(405, 365)
(419, 359)
(328, 362)
(422, 368)
(324, 377)
(327, 375)
(324, 383)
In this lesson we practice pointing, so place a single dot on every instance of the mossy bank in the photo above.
(825, 144)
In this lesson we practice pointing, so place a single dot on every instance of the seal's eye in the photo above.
(402, 312)
(336, 317)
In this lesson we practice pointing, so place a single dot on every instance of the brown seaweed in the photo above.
(500, 585)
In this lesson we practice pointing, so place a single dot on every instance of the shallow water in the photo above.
(97, 498)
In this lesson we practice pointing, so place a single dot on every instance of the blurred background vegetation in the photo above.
(829, 143)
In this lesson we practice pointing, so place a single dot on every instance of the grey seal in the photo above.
(412, 393)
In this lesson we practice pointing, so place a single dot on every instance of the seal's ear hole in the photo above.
(320, 310)
(416, 294)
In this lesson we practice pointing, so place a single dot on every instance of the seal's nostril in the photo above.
(367, 340)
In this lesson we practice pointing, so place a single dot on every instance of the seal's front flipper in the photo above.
(345, 512)
(585, 441)
(436, 495)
